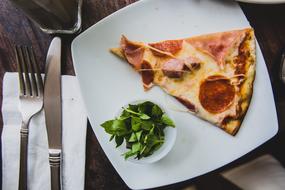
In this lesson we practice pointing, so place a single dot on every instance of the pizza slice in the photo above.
(212, 75)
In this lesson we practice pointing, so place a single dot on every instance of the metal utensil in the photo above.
(282, 68)
(53, 110)
(31, 102)
(53, 16)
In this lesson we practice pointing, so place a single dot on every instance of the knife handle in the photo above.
(54, 161)
(23, 158)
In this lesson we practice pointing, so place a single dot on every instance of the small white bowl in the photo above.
(170, 137)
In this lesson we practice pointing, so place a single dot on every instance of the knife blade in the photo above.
(53, 109)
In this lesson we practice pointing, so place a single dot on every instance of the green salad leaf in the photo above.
(141, 126)
(167, 121)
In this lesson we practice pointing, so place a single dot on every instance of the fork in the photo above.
(31, 102)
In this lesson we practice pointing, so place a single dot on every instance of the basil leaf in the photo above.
(144, 116)
(119, 128)
(136, 123)
(156, 111)
(167, 121)
(112, 137)
(138, 135)
(141, 115)
(146, 125)
(136, 147)
(119, 140)
(133, 138)
(131, 111)
(153, 149)
(133, 107)
(152, 130)
(129, 154)
(107, 125)
(145, 107)
(152, 140)
(118, 125)
(143, 149)
(124, 115)
(136, 126)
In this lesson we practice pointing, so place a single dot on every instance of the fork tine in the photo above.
(25, 69)
(34, 89)
(38, 73)
(19, 61)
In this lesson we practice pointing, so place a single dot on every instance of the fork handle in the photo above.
(54, 161)
(23, 158)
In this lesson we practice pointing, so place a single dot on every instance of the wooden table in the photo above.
(269, 25)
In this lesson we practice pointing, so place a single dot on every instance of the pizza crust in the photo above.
(118, 52)
(232, 125)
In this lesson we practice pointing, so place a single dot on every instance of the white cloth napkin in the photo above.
(74, 122)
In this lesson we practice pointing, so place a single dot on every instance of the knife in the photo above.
(53, 110)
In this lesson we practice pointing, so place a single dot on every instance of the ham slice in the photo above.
(173, 68)
(218, 44)
(192, 63)
(147, 75)
(133, 52)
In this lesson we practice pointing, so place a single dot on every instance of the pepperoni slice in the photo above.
(170, 46)
(147, 74)
(216, 94)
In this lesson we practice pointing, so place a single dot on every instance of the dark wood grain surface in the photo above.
(269, 25)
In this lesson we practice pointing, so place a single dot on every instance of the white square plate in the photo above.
(107, 83)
